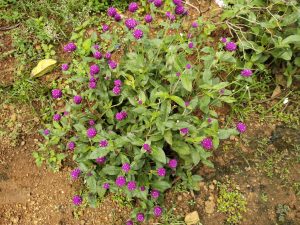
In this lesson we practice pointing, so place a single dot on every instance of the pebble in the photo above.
(192, 218)
(179, 198)
(22, 143)
(15, 220)
(211, 187)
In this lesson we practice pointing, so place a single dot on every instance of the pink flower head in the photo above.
(195, 24)
(246, 73)
(118, 17)
(106, 186)
(103, 143)
(64, 67)
(148, 18)
(56, 117)
(120, 181)
(71, 145)
(129, 222)
(46, 132)
(111, 11)
(179, 10)
(223, 40)
(158, 3)
(116, 90)
(75, 173)
(108, 55)
(101, 160)
(91, 132)
(126, 167)
(97, 55)
(155, 194)
(188, 66)
(119, 116)
(131, 23)
(177, 2)
(92, 122)
(138, 34)
(147, 147)
(184, 131)
(77, 99)
(157, 211)
(77, 200)
(92, 85)
(105, 27)
(70, 47)
(161, 172)
(133, 6)
(207, 143)
(186, 103)
(131, 185)
(140, 217)
(118, 83)
(178, 74)
(191, 45)
(112, 65)
(94, 69)
(230, 46)
(241, 127)
(172, 163)
(56, 93)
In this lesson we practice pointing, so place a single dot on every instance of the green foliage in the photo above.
(268, 34)
(281, 212)
(231, 202)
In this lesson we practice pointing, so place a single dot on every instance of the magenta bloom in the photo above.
(140, 102)
(188, 66)
(223, 39)
(46, 132)
(129, 222)
(138, 34)
(170, 16)
(161, 172)
(126, 167)
(179, 10)
(157, 211)
(158, 3)
(118, 83)
(209, 120)
(96, 46)
(77, 99)
(119, 116)
(106, 186)
(178, 74)
(112, 65)
(92, 122)
(147, 147)
(195, 24)
(133, 6)
(75, 173)
(56, 93)
(131, 23)
(116, 90)
(184, 131)
(97, 55)
(140, 217)
(103, 143)
(124, 114)
(56, 117)
(70, 47)
(92, 85)
(101, 160)
(91, 132)
(230, 46)
(186, 103)
(246, 73)
(71, 145)
(64, 67)
(173, 163)
(77, 200)
(118, 17)
(105, 27)
(241, 127)
(120, 181)
(148, 18)
(177, 2)
(131, 185)
(155, 194)
(142, 188)
(207, 143)
(94, 69)
(108, 55)
(111, 11)
(191, 45)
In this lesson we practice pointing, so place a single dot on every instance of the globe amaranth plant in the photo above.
(139, 114)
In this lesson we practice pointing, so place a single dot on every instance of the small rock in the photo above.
(82, 222)
(192, 218)
(179, 198)
(210, 205)
(15, 220)
(13, 117)
(211, 187)
(22, 143)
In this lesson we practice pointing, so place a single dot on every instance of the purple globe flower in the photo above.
(56, 93)
(92, 85)
(157, 211)
(116, 90)
(120, 181)
(126, 167)
(71, 145)
(188, 66)
(158, 3)
(92, 122)
(64, 67)
(93, 79)
(147, 147)
(119, 116)
(131, 23)
(106, 186)
(161, 172)
(77, 200)
(207, 143)
(77, 99)
(56, 117)
(230, 46)
(111, 11)
(131, 185)
(209, 120)
(75, 173)
(124, 114)
(133, 6)
(118, 17)
(97, 55)
(140, 217)
(189, 35)
(96, 47)
(195, 24)
(177, 2)
(94, 69)
(105, 27)
(246, 73)
(191, 45)
(184, 131)
(148, 18)
(223, 40)
(129, 222)
(118, 83)
(101, 160)
(140, 102)
(186, 103)
(241, 127)
(108, 55)
(91, 132)
(170, 16)
(138, 34)
(179, 10)
(178, 74)
(112, 65)
(70, 47)
(142, 188)
(46, 132)
(103, 143)
(155, 194)
(172, 163)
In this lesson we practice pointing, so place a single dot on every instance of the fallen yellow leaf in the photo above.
(44, 66)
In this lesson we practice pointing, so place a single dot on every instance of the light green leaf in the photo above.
(158, 154)
(178, 100)
(186, 82)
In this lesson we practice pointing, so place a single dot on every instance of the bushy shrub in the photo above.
(139, 113)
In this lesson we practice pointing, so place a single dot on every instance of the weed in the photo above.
(264, 197)
(281, 212)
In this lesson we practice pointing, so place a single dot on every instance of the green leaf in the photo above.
(158, 154)
(99, 152)
(181, 147)
(186, 82)
(226, 133)
(92, 184)
(291, 39)
(111, 170)
(178, 100)
(87, 44)
(161, 185)
(168, 137)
